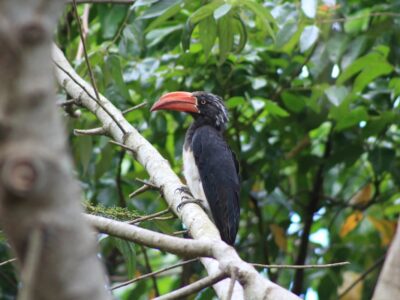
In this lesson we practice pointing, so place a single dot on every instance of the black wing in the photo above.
(219, 175)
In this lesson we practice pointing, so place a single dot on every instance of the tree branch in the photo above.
(104, 1)
(175, 245)
(388, 286)
(154, 273)
(150, 271)
(363, 275)
(311, 208)
(194, 287)
(161, 174)
(319, 266)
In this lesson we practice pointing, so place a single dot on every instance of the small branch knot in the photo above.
(20, 175)
(32, 33)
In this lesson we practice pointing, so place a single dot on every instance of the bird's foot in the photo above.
(184, 190)
(188, 200)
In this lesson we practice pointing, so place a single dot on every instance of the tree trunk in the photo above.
(39, 197)
(388, 286)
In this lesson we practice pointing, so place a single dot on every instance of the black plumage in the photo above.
(219, 178)
(210, 167)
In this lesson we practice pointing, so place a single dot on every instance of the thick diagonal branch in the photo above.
(161, 174)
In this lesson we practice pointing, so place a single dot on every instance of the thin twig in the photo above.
(67, 102)
(150, 271)
(120, 29)
(180, 232)
(68, 106)
(91, 96)
(374, 14)
(154, 273)
(134, 108)
(91, 76)
(319, 266)
(92, 131)
(171, 217)
(7, 261)
(232, 283)
(85, 29)
(363, 275)
(140, 190)
(149, 217)
(122, 146)
(147, 183)
(194, 287)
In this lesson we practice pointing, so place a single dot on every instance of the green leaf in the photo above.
(112, 20)
(85, 146)
(139, 3)
(208, 34)
(377, 124)
(354, 50)
(354, 68)
(235, 101)
(358, 22)
(336, 94)
(394, 84)
(274, 109)
(240, 28)
(354, 117)
(186, 35)
(114, 65)
(205, 11)
(171, 11)
(293, 102)
(222, 11)
(369, 74)
(157, 35)
(262, 14)
(371, 66)
(308, 37)
(336, 46)
(127, 250)
(285, 34)
(382, 159)
(225, 35)
(105, 162)
(159, 8)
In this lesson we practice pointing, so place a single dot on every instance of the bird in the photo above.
(210, 167)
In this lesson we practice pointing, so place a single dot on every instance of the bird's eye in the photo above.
(203, 101)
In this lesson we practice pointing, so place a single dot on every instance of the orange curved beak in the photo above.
(180, 101)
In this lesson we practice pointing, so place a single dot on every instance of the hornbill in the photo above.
(210, 167)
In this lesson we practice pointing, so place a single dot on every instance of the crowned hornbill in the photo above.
(210, 167)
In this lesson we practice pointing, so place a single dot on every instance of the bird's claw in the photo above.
(184, 190)
(183, 203)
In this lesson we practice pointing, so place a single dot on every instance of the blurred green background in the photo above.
(313, 90)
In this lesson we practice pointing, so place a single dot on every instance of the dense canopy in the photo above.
(313, 92)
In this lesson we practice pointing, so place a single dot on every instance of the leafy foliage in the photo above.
(314, 95)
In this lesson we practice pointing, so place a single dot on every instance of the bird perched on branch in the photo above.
(210, 167)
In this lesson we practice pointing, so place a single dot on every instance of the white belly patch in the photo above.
(193, 180)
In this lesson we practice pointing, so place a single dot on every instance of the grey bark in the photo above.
(40, 211)
(388, 286)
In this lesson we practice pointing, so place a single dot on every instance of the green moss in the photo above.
(116, 213)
